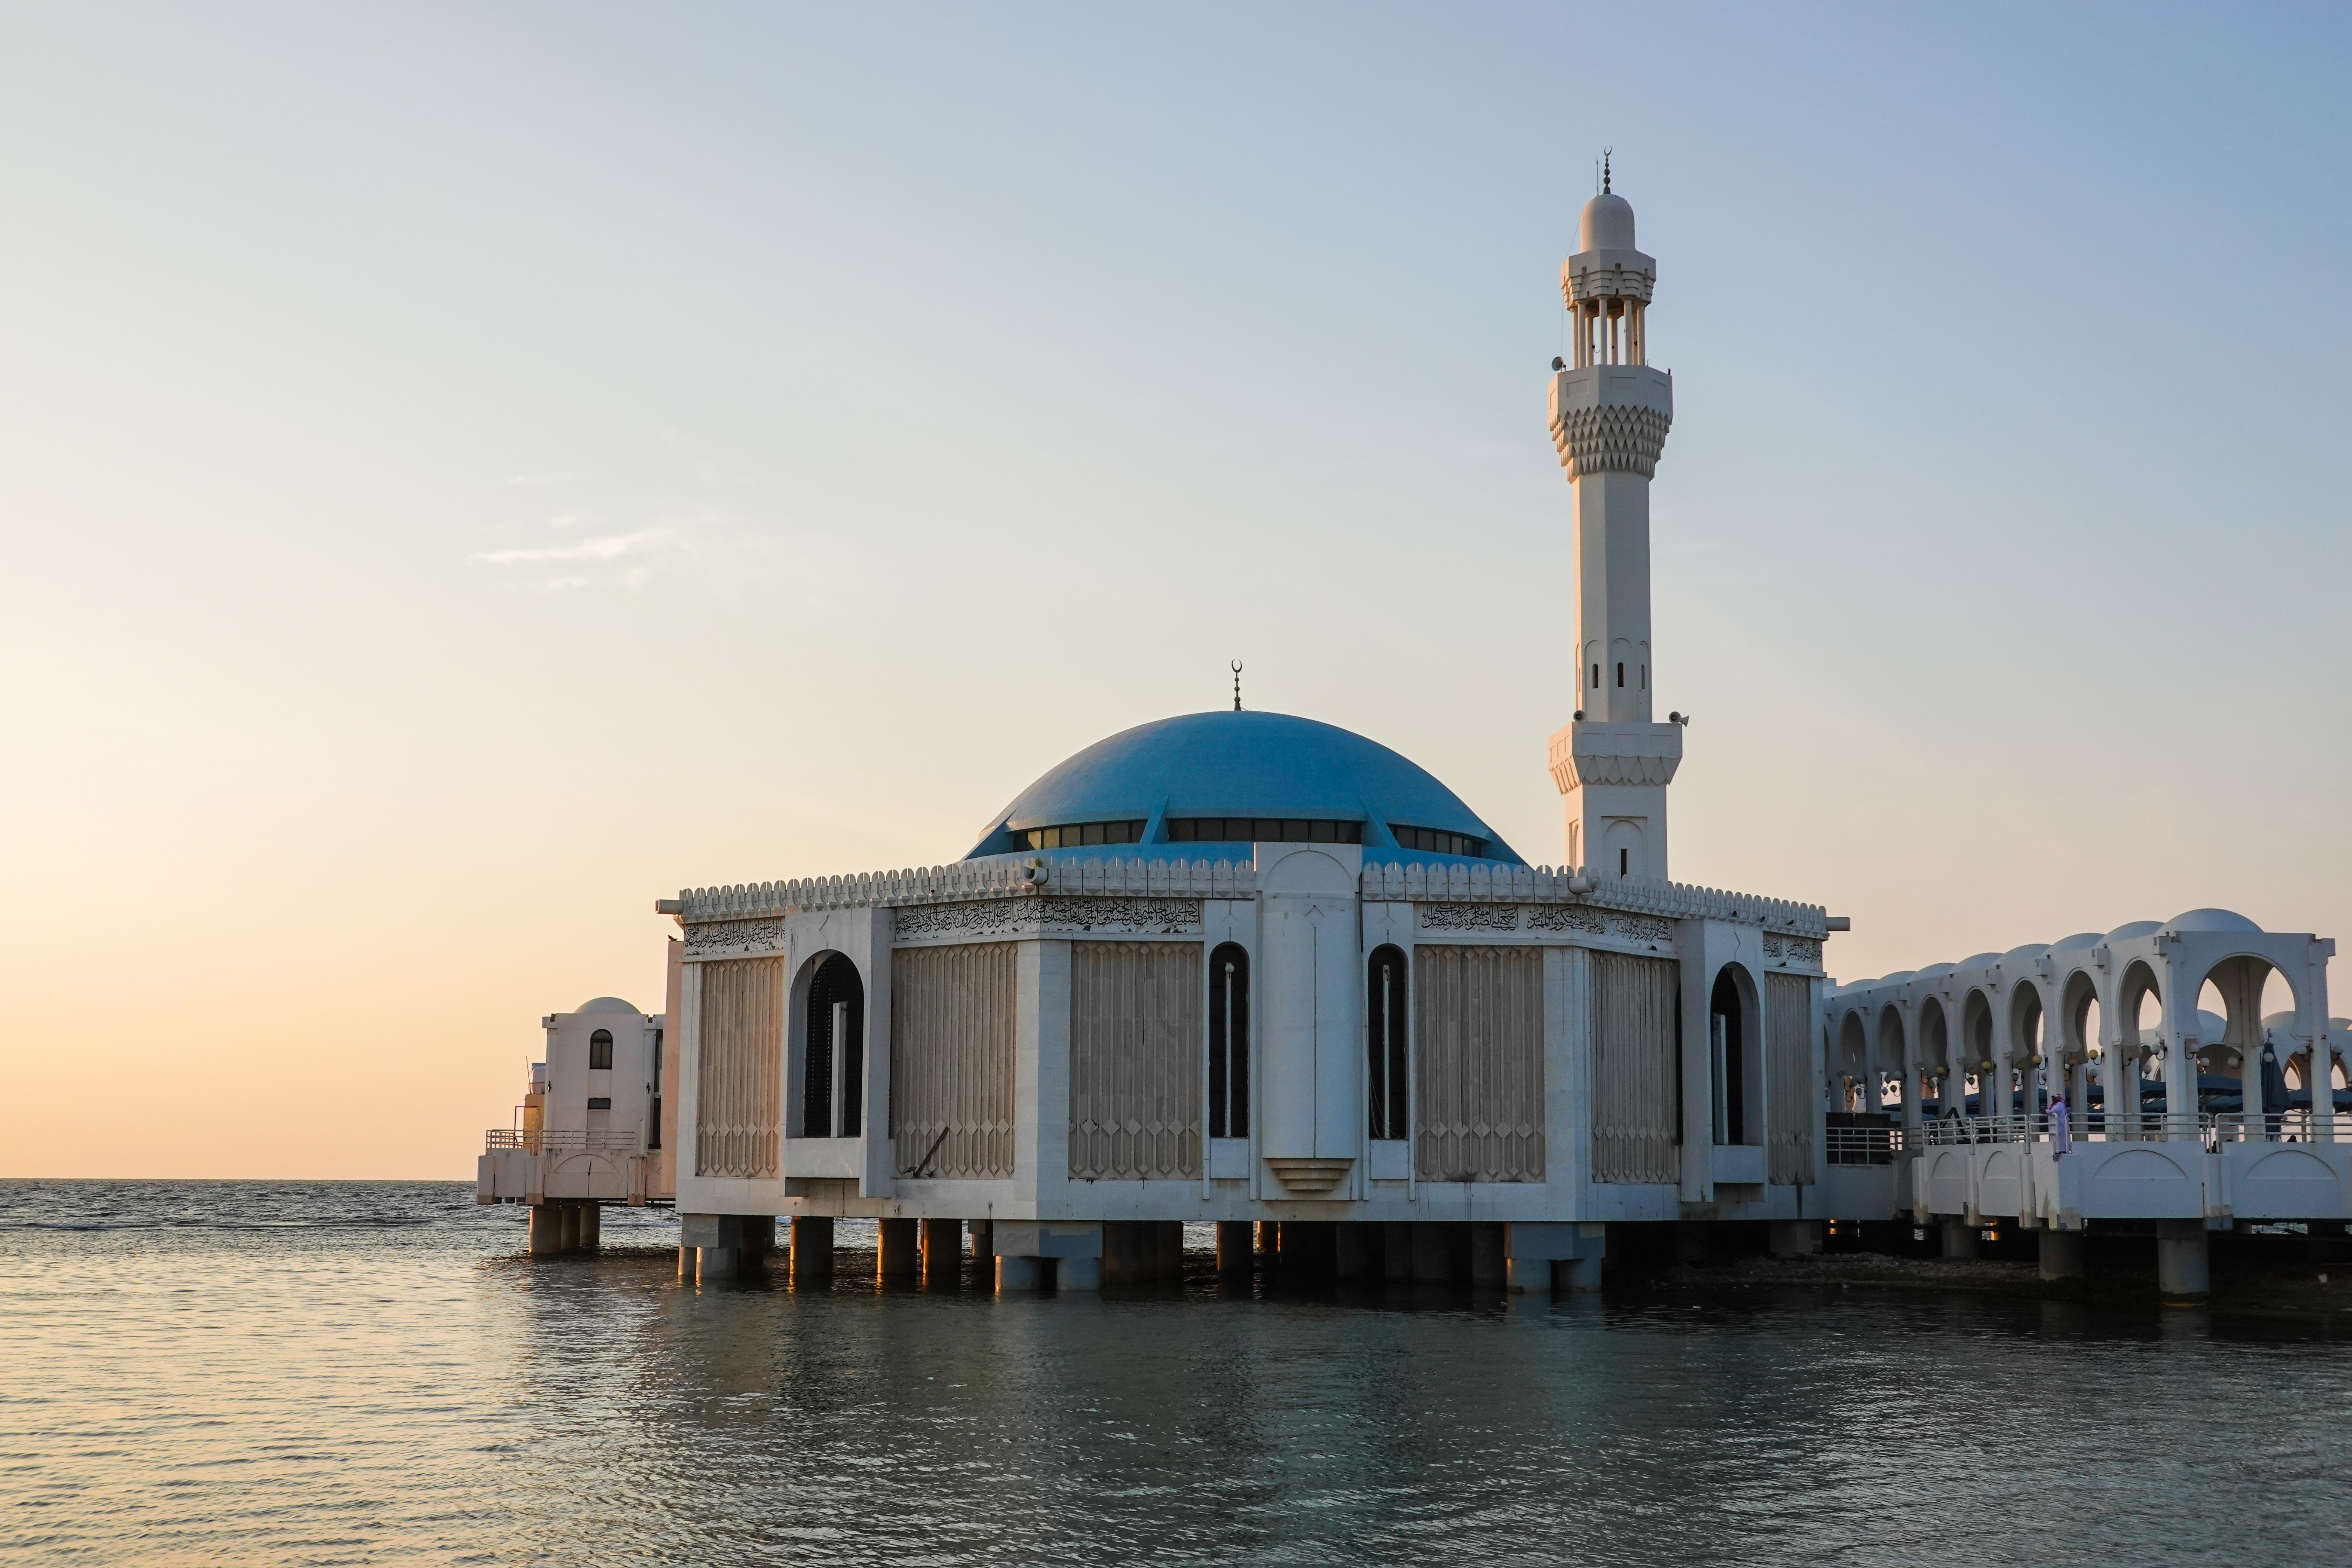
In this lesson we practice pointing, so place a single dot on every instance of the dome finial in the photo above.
(1605, 152)
(1237, 686)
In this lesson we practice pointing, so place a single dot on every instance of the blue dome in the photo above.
(1228, 764)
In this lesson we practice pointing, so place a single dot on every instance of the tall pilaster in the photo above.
(1610, 413)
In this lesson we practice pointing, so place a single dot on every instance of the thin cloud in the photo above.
(612, 547)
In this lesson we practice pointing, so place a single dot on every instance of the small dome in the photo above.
(1897, 978)
(606, 1005)
(1936, 971)
(2213, 919)
(2136, 929)
(2031, 950)
(1607, 224)
(2080, 939)
(1979, 960)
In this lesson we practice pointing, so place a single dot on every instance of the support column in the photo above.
(1172, 1249)
(546, 1229)
(983, 1248)
(1583, 1273)
(1309, 1248)
(2062, 1254)
(1129, 1252)
(1960, 1238)
(1236, 1247)
(1073, 1275)
(1690, 1241)
(941, 1241)
(758, 1233)
(568, 1218)
(1396, 1252)
(2181, 1274)
(1529, 1276)
(1795, 1237)
(685, 1264)
(1433, 1254)
(1018, 1275)
(591, 1226)
(1360, 1251)
(713, 1264)
(1487, 1264)
(897, 1253)
(812, 1249)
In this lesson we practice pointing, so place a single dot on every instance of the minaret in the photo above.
(1610, 412)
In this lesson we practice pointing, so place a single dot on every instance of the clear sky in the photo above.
(467, 472)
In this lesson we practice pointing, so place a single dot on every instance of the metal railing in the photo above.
(626, 1139)
(2208, 1128)
(1862, 1146)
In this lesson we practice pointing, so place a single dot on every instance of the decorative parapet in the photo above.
(1419, 882)
(966, 882)
(1459, 883)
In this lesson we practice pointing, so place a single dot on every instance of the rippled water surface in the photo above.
(268, 1372)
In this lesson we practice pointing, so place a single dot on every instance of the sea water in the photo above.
(349, 1373)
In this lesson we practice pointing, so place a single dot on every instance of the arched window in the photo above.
(833, 1064)
(1384, 1040)
(1229, 1078)
(600, 1049)
(1620, 676)
(1728, 1049)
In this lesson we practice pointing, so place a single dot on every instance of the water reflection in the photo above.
(327, 1376)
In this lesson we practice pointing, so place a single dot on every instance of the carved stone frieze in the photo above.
(1642, 928)
(734, 937)
(997, 917)
(1800, 951)
(1468, 917)
(1568, 917)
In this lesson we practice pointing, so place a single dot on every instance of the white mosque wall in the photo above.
(1066, 1039)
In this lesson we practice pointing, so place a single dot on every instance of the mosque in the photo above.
(1250, 970)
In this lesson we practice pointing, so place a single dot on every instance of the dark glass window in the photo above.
(600, 1049)
(831, 1070)
(1620, 675)
(1261, 830)
(1229, 1042)
(1384, 1040)
(600, 1102)
(1083, 834)
(1437, 842)
(653, 1133)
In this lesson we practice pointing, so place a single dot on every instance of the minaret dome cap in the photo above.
(1607, 224)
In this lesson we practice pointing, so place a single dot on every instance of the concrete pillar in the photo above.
(1690, 1241)
(1128, 1252)
(570, 1215)
(1016, 1275)
(686, 1262)
(1487, 1264)
(713, 1264)
(1582, 1274)
(1795, 1237)
(1528, 1276)
(983, 1248)
(591, 1226)
(1073, 1275)
(1172, 1249)
(811, 1248)
(2062, 1254)
(1396, 1252)
(758, 1234)
(1359, 1251)
(1236, 1247)
(546, 1229)
(1960, 1238)
(1309, 1248)
(897, 1255)
(941, 1241)
(1433, 1254)
(2181, 1274)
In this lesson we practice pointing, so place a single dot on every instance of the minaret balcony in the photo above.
(1591, 752)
